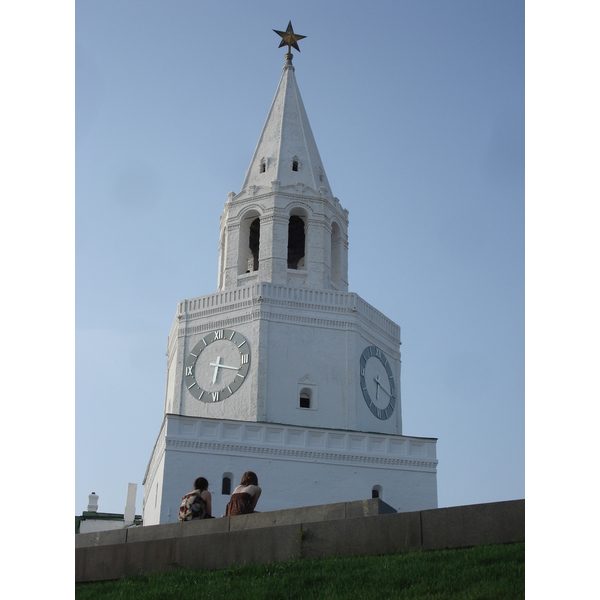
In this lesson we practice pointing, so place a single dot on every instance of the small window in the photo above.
(226, 486)
(263, 166)
(375, 494)
(305, 396)
(294, 165)
(336, 255)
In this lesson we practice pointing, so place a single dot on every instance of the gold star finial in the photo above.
(289, 38)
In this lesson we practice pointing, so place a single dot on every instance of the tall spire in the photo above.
(286, 151)
(285, 226)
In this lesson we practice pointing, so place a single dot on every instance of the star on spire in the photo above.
(289, 38)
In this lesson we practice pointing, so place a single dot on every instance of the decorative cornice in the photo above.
(309, 199)
(309, 321)
(223, 323)
(285, 297)
(302, 455)
(300, 443)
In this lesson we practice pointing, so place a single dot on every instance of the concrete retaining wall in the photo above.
(342, 529)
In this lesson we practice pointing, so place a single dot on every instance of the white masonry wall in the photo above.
(296, 466)
(295, 336)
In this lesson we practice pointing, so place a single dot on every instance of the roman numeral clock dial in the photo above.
(217, 365)
(377, 382)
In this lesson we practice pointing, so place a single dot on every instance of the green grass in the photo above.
(485, 572)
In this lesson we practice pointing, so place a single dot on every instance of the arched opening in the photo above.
(254, 244)
(377, 492)
(249, 248)
(296, 242)
(336, 255)
(226, 484)
(305, 397)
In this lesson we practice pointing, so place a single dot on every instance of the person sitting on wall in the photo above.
(196, 504)
(245, 496)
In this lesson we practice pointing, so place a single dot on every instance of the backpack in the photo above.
(192, 506)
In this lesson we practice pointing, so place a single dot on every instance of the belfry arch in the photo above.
(249, 241)
(297, 234)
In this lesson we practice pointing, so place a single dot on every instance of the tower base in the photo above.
(296, 466)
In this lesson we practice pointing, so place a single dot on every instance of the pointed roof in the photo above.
(286, 150)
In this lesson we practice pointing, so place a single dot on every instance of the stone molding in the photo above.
(293, 442)
(287, 297)
(310, 321)
(326, 200)
(303, 455)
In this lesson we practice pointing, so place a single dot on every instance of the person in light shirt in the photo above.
(245, 496)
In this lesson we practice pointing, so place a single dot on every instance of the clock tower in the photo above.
(282, 370)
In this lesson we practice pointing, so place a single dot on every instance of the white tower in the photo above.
(282, 371)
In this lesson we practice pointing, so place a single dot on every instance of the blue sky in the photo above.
(417, 109)
(418, 112)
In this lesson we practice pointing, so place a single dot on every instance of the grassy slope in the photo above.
(486, 572)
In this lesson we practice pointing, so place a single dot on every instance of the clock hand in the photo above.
(378, 382)
(216, 366)
(223, 366)
(377, 386)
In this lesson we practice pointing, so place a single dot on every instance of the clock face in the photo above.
(377, 382)
(217, 365)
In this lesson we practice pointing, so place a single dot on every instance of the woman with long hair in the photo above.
(245, 496)
(198, 503)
